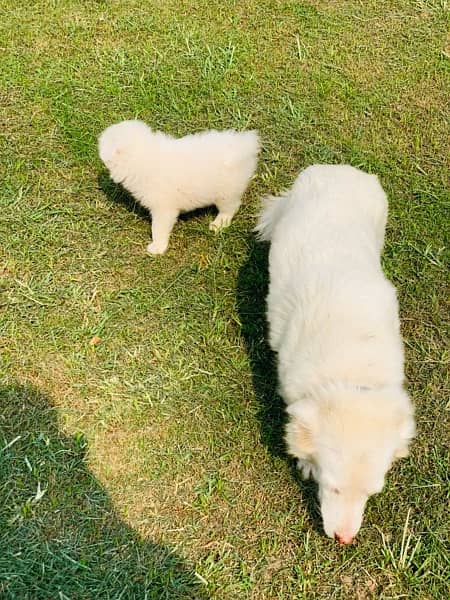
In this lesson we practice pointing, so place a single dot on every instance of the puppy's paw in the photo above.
(155, 248)
(305, 467)
(219, 222)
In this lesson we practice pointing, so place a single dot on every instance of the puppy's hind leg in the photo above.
(162, 224)
(227, 209)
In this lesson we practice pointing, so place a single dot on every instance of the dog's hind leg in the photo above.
(227, 209)
(162, 224)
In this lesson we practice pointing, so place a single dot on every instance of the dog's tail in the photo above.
(244, 147)
(272, 208)
(251, 142)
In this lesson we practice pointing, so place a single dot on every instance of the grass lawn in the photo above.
(151, 464)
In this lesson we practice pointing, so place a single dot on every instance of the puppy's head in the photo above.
(350, 437)
(119, 146)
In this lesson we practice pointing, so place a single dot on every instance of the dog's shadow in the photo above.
(251, 303)
(117, 194)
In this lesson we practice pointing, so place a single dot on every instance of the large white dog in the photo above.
(171, 175)
(333, 320)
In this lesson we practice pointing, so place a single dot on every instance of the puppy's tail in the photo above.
(251, 144)
(244, 147)
(272, 208)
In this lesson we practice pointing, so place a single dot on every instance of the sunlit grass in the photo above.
(151, 461)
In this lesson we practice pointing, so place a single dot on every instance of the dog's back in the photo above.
(327, 290)
(324, 195)
(216, 163)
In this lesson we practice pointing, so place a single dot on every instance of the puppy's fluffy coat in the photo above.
(333, 320)
(169, 175)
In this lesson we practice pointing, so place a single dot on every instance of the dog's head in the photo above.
(350, 437)
(119, 145)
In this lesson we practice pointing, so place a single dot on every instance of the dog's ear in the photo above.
(301, 428)
(406, 431)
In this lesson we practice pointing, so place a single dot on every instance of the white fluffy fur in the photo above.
(169, 175)
(334, 323)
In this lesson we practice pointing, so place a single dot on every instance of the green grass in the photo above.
(151, 465)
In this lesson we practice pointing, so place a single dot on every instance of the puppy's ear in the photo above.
(301, 428)
(406, 431)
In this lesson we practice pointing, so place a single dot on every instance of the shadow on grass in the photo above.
(119, 195)
(116, 193)
(253, 282)
(59, 534)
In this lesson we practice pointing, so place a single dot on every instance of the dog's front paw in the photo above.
(219, 222)
(155, 248)
(305, 467)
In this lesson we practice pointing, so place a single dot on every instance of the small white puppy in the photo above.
(333, 320)
(169, 175)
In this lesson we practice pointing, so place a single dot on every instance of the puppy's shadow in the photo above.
(117, 194)
(252, 290)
